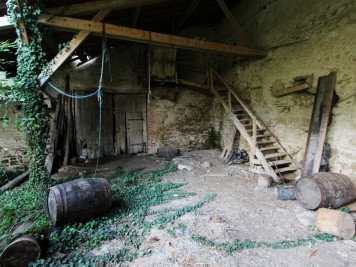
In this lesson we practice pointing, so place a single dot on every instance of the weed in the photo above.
(130, 220)
(230, 247)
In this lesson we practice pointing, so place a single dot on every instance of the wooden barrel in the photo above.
(167, 152)
(78, 200)
(21, 252)
(325, 189)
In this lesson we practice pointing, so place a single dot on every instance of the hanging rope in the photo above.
(98, 93)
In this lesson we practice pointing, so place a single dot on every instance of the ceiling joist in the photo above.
(94, 6)
(135, 35)
(186, 14)
(72, 45)
(233, 21)
(134, 17)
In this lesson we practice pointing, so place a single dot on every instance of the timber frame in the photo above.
(102, 9)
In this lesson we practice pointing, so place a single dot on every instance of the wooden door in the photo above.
(129, 104)
(87, 126)
(135, 123)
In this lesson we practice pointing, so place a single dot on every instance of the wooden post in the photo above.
(319, 124)
(229, 99)
(253, 146)
(21, 23)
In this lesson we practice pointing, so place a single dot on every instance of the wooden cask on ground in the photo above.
(335, 222)
(325, 189)
(78, 200)
(21, 252)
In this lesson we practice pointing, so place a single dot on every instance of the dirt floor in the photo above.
(241, 210)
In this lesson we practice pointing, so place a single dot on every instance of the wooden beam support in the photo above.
(94, 6)
(66, 52)
(21, 23)
(244, 38)
(319, 124)
(193, 4)
(5, 23)
(135, 35)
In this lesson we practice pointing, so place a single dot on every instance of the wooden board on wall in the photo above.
(163, 62)
(127, 103)
(319, 124)
(87, 122)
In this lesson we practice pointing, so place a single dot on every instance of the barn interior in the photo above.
(246, 97)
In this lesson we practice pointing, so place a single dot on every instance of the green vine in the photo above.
(238, 245)
(30, 62)
(135, 212)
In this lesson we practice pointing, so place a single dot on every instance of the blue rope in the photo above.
(73, 96)
(100, 101)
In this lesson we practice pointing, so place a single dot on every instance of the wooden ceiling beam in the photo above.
(62, 56)
(233, 21)
(141, 36)
(21, 23)
(94, 6)
(186, 14)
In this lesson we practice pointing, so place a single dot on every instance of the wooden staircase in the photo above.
(267, 155)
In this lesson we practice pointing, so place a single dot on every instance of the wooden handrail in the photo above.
(243, 105)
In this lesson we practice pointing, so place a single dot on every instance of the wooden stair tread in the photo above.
(242, 115)
(258, 130)
(265, 142)
(286, 169)
(263, 135)
(268, 148)
(272, 163)
(275, 155)
(280, 162)
(243, 120)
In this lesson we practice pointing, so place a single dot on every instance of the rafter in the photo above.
(94, 6)
(186, 14)
(134, 17)
(135, 35)
(244, 38)
(72, 45)
(21, 23)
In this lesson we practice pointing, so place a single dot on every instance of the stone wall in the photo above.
(12, 143)
(184, 124)
(302, 37)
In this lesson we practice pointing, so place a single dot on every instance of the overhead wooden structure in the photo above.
(244, 38)
(95, 6)
(124, 33)
(186, 14)
(66, 52)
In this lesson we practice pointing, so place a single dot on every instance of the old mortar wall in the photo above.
(184, 124)
(302, 37)
(12, 143)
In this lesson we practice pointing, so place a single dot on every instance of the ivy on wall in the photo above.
(30, 62)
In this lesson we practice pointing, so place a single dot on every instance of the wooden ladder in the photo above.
(267, 155)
